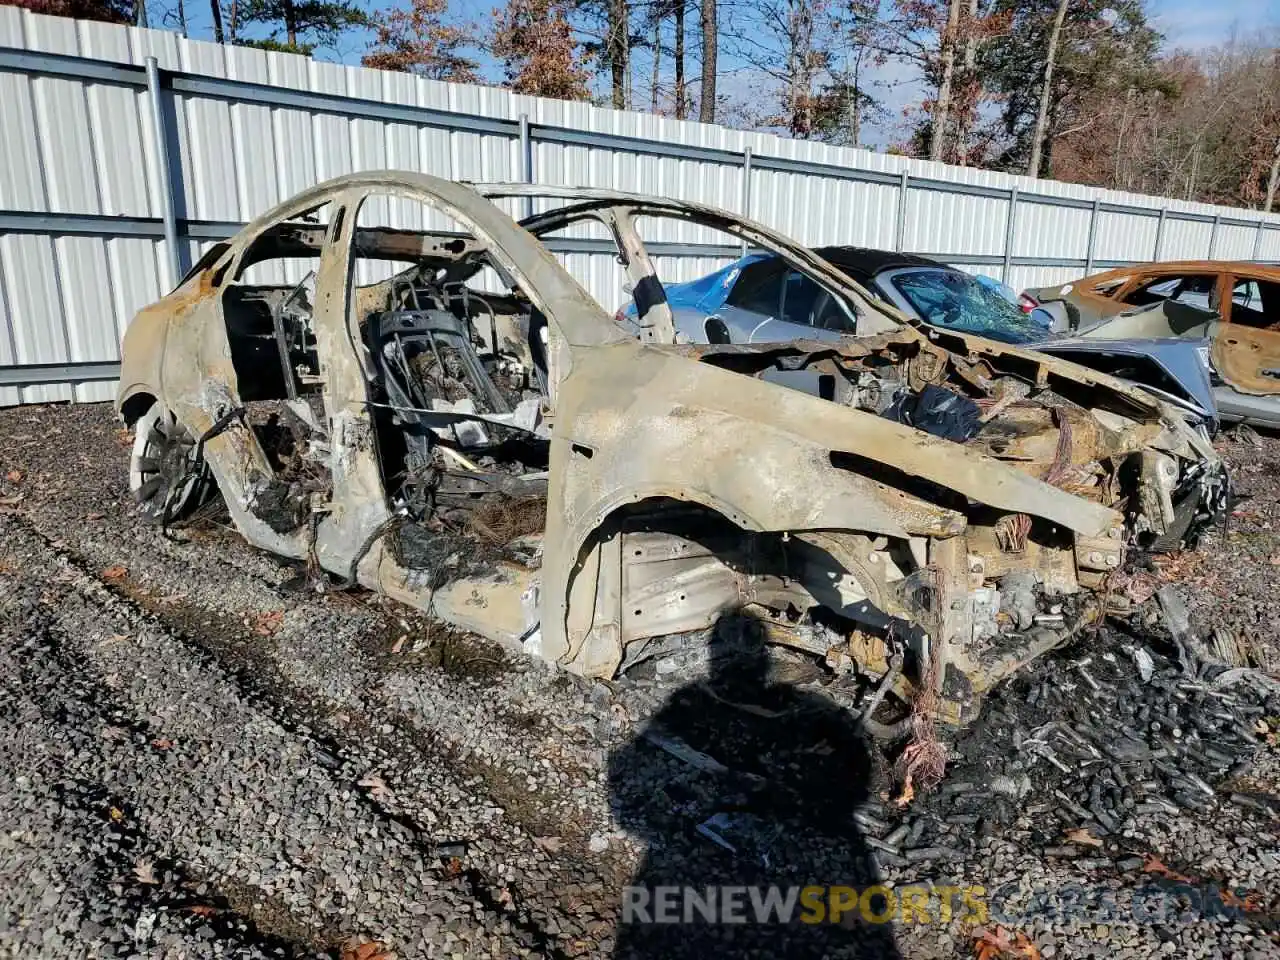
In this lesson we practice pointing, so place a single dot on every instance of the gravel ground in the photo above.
(201, 760)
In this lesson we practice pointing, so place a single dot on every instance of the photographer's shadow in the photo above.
(765, 803)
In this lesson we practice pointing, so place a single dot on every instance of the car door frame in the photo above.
(1241, 352)
(1144, 277)
(728, 312)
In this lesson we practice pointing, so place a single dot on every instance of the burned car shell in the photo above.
(679, 484)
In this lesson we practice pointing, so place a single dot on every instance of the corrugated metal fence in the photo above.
(124, 152)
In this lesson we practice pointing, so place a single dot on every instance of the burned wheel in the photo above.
(165, 476)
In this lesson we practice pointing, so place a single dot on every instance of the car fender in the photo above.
(638, 421)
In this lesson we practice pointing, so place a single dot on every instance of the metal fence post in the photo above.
(1010, 233)
(746, 189)
(168, 202)
(1164, 213)
(526, 162)
(1257, 242)
(1093, 234)
(1213, 235)
(904, 185)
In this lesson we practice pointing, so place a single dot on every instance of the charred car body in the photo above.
(520, 466)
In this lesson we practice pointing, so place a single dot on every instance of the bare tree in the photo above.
(617, 50)
(215, 11)
(656, 76)
(942, 106)
(970, 84)
(1273, 179)
(1046, 90)
(682, 97)
(659, 12)
(791, 43)
(710, 43)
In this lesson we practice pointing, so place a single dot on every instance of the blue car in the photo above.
(756, 299)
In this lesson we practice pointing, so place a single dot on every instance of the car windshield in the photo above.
(952, 300)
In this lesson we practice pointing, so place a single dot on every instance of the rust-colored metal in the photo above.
(1245, 342)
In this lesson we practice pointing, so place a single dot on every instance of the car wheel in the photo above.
(165, 476)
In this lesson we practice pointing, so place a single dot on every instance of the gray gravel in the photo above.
(197, 759)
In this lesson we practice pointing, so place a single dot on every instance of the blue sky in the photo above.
(1205, 23)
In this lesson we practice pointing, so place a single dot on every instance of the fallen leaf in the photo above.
(203, 910)
(1249, 902)
(399, 644)
(453, 867)
(1082, 835)
(14, 476)
(373, 950)
(1159, 869)
(145, 871)
(116, 814)
(266, 624)
(997, 944)
(549, 844)
(162, 743)
(908, 793)
(116, 571)
(376, 786)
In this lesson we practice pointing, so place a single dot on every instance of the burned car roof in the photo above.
(499, 452)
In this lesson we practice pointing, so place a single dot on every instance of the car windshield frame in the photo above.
(1004, 321)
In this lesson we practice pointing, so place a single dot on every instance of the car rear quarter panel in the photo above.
(142, 361)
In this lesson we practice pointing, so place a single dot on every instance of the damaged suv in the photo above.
(446, 416)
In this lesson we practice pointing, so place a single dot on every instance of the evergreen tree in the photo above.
(299, 26)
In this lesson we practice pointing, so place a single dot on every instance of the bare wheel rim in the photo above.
(162, 469)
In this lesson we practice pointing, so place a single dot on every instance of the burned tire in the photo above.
(166, 478)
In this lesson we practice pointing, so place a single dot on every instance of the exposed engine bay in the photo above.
(920, 512)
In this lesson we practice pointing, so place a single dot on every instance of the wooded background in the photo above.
(1084, 91)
